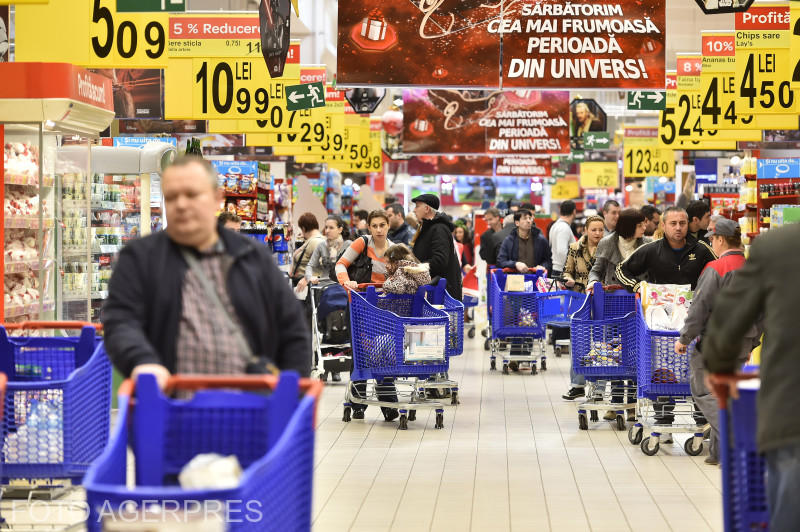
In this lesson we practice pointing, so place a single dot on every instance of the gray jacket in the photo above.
(767, 285)
(606, 259)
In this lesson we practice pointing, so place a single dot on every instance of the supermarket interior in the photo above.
(554, 245)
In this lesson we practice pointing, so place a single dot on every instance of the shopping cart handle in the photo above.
(53, 325)
(722, 382)
(312, 387)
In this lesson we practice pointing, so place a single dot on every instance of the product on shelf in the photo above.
(20, 289)
(21, 160)
(20, 245)
(22, 203)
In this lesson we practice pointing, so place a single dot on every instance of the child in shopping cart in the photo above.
(404, 272)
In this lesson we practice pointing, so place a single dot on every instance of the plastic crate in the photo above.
(603, 335)
(515, 313)
(378, 324)
(271, 435)
(661, 371)
(56, 413)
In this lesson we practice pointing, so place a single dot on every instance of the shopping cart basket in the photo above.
(487, 332)
(57, 404)
(665, 404)
(332, 352)
(399, 338)
(556, 307)
(272, 436)
(603, 349)
(744, 495)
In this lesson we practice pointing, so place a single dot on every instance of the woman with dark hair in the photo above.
(309, 227)
(618, 246)
(323, 261)
(463, 237)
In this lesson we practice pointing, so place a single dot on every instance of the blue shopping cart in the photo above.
(665, 404)
(487, 331)
(517, 332)
(272, 436)
(556, 308)
(744, 494)
(401, 343)
(471, 297)
(57, 406)
(603, 349)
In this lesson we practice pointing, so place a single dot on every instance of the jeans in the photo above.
(576, 380)
(783, 488)
(385, 391)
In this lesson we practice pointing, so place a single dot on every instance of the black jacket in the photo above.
(494, 242)
(434, 245)
(487, 246)
(142, 313)
(661, 265)
(509, 250)
(401, 235)
(766, 286)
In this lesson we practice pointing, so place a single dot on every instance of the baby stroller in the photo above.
(330, 330)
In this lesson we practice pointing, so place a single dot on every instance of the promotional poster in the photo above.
(451, 165)
(478, 122)
(137, 92)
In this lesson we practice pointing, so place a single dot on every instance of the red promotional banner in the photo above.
(485, 122)
(451, 165)
(524, 166)
(438, 43)
(584, 44)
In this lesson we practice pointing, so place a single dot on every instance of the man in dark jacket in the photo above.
(765, 286)
(525, 249)
(675, 259)
(399, 231)
(489, 244)
(434, 243)
(161, 317)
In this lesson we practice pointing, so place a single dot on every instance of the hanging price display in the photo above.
(671, 119)
(599, 175)
(223, 88)
(565, 189)
(642, 156)
(764, 69)
(719, 87)
(794, 43)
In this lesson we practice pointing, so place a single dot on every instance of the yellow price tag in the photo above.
(565, 189)
(794, 43)
(90, 34)
(599, 175)
(230, 88)
(647, 160)
(209, 35)
(763, 63)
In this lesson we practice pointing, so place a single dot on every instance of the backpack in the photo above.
(360, 270)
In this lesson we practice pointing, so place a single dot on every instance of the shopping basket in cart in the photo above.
(665, 404)
(399, 343)
(744, 494)
(57, 404)
(603, 345)
(272, 436)
(517, 331)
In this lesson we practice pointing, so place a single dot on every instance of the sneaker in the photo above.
(358, 414)
(513, 365)
(573, 393)
(711, 460)
(336, 376)
(611, 415)
(390, 414)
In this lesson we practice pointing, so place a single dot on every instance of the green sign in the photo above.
(576, 156)
(143, 6)
(596, 140)
(646, 100)
(305, 96)
(559, 173)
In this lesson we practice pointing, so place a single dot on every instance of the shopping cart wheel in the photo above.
(346, 416)
(485, 333)
(403, 422)
(471, 332)
(690, 449)
(583, 424)
(323, 376)
(593, 415)
(646, 449)
(534, 371)
(412, 415)
(454, 398)
(487, 344)
(439, 420)
(505, 369)
(544, 365)
(635, 434)
(557, 351)
(492, 365)
(620, 422)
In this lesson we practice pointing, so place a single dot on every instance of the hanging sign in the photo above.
(143, 6)
(642, 156)
(599, 175)
(565, 189)
(275, 21)
(364, 100)
(225, 35)
(763, 64)
(714, 7)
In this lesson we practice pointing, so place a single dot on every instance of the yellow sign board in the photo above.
(599, 175)
(230, 88)
(565, 189)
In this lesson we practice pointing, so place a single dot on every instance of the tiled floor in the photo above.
(509, 457)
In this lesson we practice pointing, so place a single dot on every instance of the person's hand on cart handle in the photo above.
(161, 373)
(680, 348)
(717, 383)
(522, 267)
(352, 285)
(569, 282)
(541, 268)
(315, 280)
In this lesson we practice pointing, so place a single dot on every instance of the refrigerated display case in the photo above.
(45, 200)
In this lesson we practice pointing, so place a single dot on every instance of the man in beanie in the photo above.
(434, 243)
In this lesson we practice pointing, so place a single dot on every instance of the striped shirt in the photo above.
(352, 253)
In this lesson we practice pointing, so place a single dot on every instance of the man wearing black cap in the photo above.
(434, 243)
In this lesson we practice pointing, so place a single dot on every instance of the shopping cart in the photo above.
(517, 332)
(472, 295)
(487, 331)
(603, 350)
(399, 343)
(272, 436)
(665, 404)
(440, 384)
(332, 352)
(57, 405)
(556, 307)
(744, 495)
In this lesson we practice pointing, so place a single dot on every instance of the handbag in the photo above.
(360, 270)
(254, 364)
